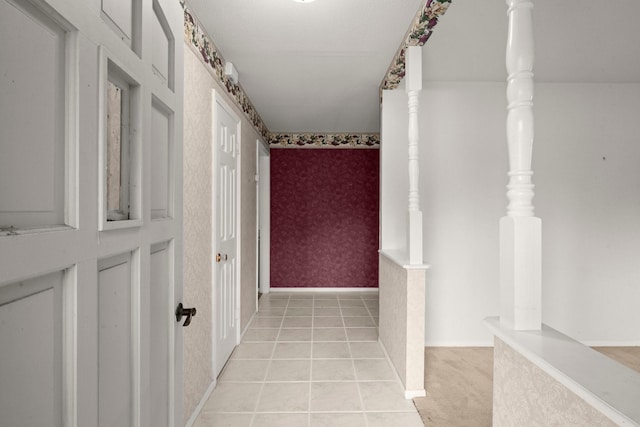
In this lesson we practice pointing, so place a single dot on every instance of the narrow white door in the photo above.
(264, 218)
(227, 148)
(90, 213)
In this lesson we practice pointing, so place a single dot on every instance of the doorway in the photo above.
(263, 192)
(226, 153)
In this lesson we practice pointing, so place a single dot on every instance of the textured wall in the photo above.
(524, 395)
(324, 218)
(198, 255)
(197, 230)
(401, 320)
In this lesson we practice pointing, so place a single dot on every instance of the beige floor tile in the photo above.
(209, 419)
(271, 311)
(299, 311)
(326, 311)
(354, 311)
(278, 295)
(300, 303)
(295, 335)
(330, 350)
(284, 397)
(297, 322)
(292, 350)
(335, 397)
(329, 334)
(384, 396)
(281, 420)
(350, 295)
(273, 303)
(362, 334)
(332, 370)
(306, 295)
(338, 420)
(351, 303)
(366, 350)
(251, 350)
(394, 419)
(325, 303)
(244, 370)
(372, 304)
(327, 322)
(266, 322)
(233, 397)
(373, 370)
(289, 370)
(370, 296)
(325, 296)
(260, 335)
(363, 321)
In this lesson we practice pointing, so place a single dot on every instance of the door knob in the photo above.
(188, 312)
(221, 257)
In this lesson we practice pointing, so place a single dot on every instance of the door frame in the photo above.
(263, 221)
(219, 100)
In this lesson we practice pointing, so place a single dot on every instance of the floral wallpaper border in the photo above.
(199, 40)
(324, 140)
(419, 32)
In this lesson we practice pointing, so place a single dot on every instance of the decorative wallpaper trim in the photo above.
(200, 41)
(197, 38)
(419, 32)
(324, 140)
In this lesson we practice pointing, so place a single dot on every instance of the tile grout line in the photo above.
(313, 307)
(264, 379)
(364, 413)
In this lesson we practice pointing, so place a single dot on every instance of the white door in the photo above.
(227, 149)
(90, 213)
(264, 218)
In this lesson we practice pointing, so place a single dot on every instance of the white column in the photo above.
(520, 230)
(413, 81)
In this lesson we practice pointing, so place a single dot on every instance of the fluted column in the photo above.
(520, 230)
(413, 56)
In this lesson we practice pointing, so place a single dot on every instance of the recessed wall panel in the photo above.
(32, 117)
(160, 160)
(162, 46)
(31, 352)
(114, 342)
(161, 314)
(120, 12)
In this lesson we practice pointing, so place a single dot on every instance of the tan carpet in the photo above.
(459, 387)
(459, 384)
(628, 356)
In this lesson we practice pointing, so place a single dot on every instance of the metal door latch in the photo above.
(188, 312)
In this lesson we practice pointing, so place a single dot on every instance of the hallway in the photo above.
(310, 359)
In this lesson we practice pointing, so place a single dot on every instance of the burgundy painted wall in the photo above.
(324, 217)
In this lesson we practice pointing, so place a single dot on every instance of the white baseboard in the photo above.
(196, 412)
(294, 290)
(410, 394)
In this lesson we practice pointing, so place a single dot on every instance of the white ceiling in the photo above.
(317, 67)
(575, 41)
(312, 67)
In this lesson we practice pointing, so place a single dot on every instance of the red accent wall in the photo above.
(324, 217)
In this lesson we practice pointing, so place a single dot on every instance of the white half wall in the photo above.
(586, 160)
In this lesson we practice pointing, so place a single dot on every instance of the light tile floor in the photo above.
(310, 360)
